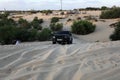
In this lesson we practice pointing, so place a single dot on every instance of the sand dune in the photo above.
(85, 59)
(44, 61)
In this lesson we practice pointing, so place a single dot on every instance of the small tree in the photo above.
(40, 21)
(44, 35)
(7, 34)
(82, 27)
(32, 34)
(111, 13)
(36, 23)
(56, 26)
(24, 23)
(116, 35)
(54, 19)
(5, 21)
(104, 8)
(22, 34)
(46, 12)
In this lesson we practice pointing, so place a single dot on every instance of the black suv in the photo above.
(62, 37)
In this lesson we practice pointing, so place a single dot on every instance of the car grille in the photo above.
(60, 37)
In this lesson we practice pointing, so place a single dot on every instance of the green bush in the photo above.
(112, 13)
(116, 35)
(104, 8)
(44, 35)
(10, 31)
(82, 27)
(22, 34)
(7, 34)
(36, 23)
(24, 23)
(25, 35)
(40, 21)
(56, 26)
(46, 11)
(54, 19)
(5, 21)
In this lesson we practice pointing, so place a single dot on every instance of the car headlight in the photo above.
(53, 36)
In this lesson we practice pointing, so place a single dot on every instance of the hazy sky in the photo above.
(54, 4)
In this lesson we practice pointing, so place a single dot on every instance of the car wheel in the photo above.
(54, 42)
(62, 43)
(70, 42)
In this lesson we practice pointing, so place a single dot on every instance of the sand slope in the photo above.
(80, 61)
(44, 61)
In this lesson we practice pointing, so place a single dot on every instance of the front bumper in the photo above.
(60, 39)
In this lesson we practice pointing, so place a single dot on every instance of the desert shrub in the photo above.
(116, 34)
(7, 29)
(25, 35)
(111, 13)
(82, 27)
(91, 18)
(62, 13)
(69, 20)
(24, 31)
(24, 23)
(78, 18)
(22, 35)
(104, 8)
(40, 21)
(32, 34)
(46, 11)
(37, 26)
(44, 35)
(11, 22)
(56, 26)
(54, 19)
(36, 23)
(6, 21)
(7, 34)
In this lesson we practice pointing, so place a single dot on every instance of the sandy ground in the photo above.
(85, 59)
(44, 61)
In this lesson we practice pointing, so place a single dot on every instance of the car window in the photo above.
(63, 32)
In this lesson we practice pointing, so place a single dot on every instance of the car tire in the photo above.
(53, 42)
(70, 42)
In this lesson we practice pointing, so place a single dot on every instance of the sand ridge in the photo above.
(44, 61)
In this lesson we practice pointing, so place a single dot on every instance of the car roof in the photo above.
(63, 32)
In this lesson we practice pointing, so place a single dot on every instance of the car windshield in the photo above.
(63, 32)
